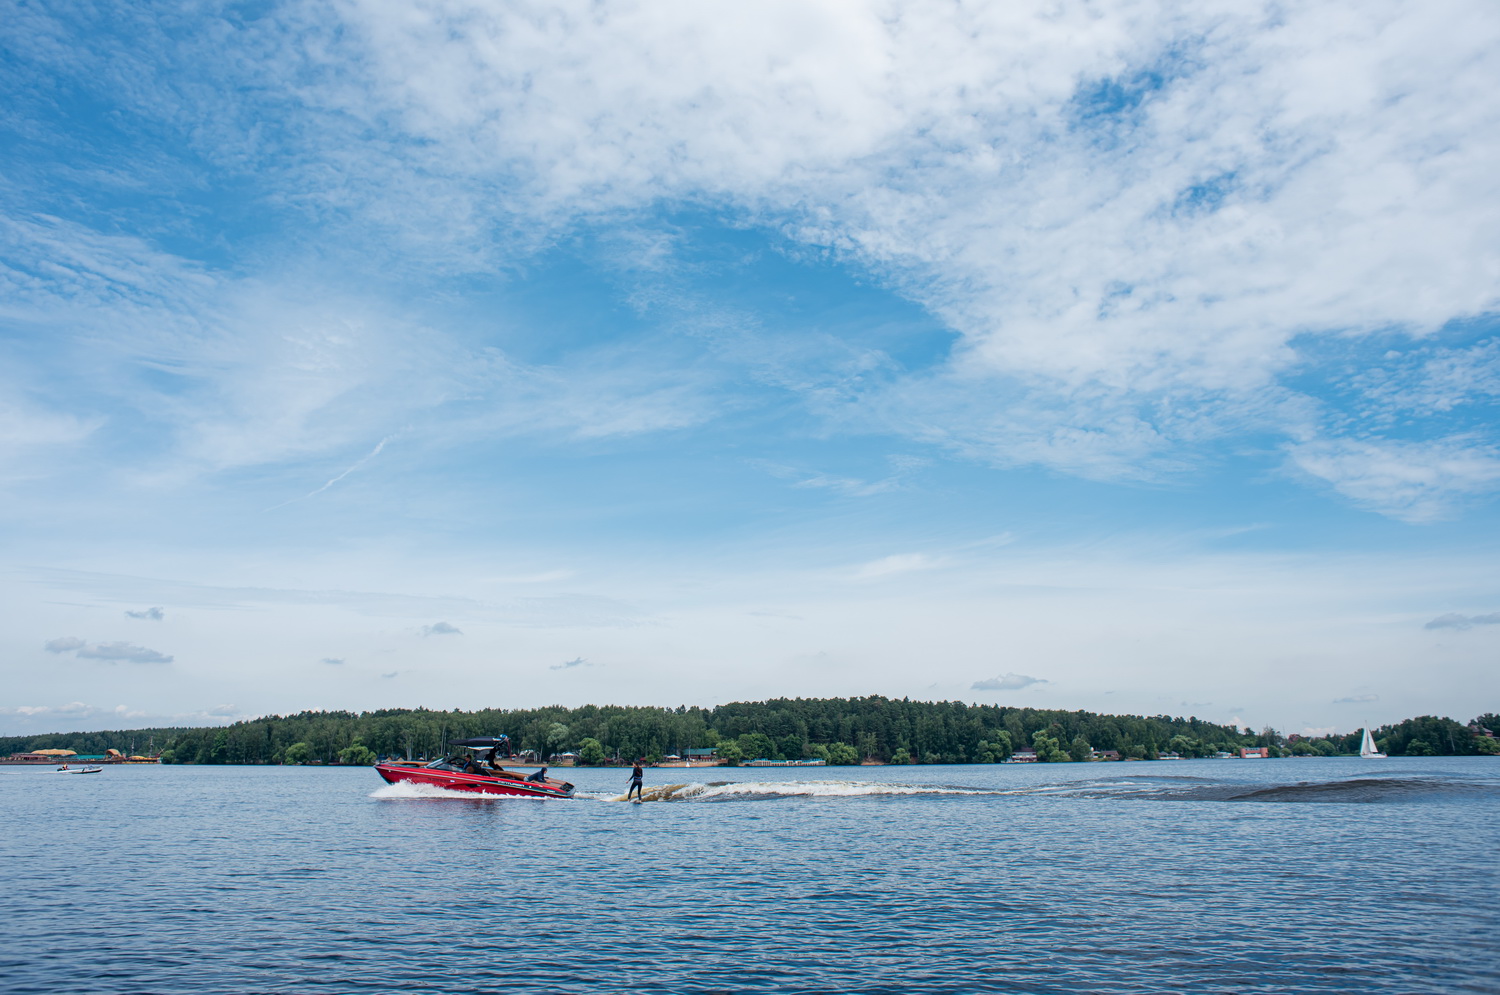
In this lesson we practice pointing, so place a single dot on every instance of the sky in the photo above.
(1133, 357)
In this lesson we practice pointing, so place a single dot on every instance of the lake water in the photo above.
(1190, 876)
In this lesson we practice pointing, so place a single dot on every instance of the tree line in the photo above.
(838, 730)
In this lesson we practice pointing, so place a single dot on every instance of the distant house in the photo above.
(1255, 752)
(29, 758)
(705, 754)
(1025, 755)
(1168, 755)
(1104, 754)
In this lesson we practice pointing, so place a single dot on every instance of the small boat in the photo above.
(1367, 749)
(463, 772)
(92, 769)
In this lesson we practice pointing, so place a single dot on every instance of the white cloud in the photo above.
(65, 644)
(1356, 699)
(1134, 216)
(577, 661)
(152, 614)
(441, 629)
(332, 660)
(1130, 213)
(1007, 682)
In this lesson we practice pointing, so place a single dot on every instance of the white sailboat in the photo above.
(1367, 749)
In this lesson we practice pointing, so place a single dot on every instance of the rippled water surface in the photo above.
(1191, 876)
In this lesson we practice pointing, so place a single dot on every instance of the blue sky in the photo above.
(370, 354)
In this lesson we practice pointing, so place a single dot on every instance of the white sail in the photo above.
(1367, 746)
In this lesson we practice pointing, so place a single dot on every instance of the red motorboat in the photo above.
(463, 772)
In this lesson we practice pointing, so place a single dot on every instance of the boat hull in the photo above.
(479, 784)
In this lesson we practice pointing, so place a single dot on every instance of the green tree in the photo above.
(901, 756)
(994, 749)
(758, 746)
(557, 737)
(298, 753)
(590, 752)
(1079, 749)
(842, 755)
(357, 754)
(1048, 750)
(1185, 745)
(1487, 745)
(730, 753)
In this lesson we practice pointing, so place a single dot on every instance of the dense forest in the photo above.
(839, 730)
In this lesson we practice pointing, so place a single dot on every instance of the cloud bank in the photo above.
(1007, 682)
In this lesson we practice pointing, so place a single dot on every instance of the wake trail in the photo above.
(771, 790)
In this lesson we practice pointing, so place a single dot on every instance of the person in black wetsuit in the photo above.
(636, 776)
(540, 777)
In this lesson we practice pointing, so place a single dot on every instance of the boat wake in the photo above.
(1357, 790)
(723, 791)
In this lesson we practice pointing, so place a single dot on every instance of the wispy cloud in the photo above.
(152, 614)
(1356, 699)
(114, 652)
(1415, 482)
(357, 465)
(74, 709)
(577, 661)
(123, 651)
(899, 563)
(332, 661)
(1007, 682)
(1454, 620)
(441, 629)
